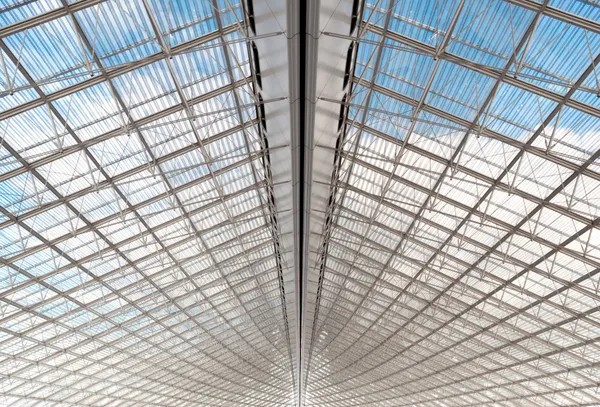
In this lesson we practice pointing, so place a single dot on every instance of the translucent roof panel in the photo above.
(140, 255)
(150, 225)
(461, 259)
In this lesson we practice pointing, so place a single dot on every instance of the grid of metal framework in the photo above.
(141, 260)
(140, 256)
(459, 264)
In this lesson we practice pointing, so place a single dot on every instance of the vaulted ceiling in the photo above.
(303, 203)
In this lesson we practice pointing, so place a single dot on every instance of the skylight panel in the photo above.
(138, 171)
(460, 167)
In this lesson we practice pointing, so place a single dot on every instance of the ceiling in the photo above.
(324, 203)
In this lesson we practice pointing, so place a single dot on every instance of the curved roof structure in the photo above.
(323, 203)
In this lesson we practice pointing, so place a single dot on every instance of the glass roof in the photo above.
(461, 259)
(140, 250)
(142, 258)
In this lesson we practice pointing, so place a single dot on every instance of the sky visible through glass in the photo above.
(139, 243)
(461, 259)
(141, 256)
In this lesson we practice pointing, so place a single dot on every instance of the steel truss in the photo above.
(431, 292)
(142, 256)
(180, 315)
